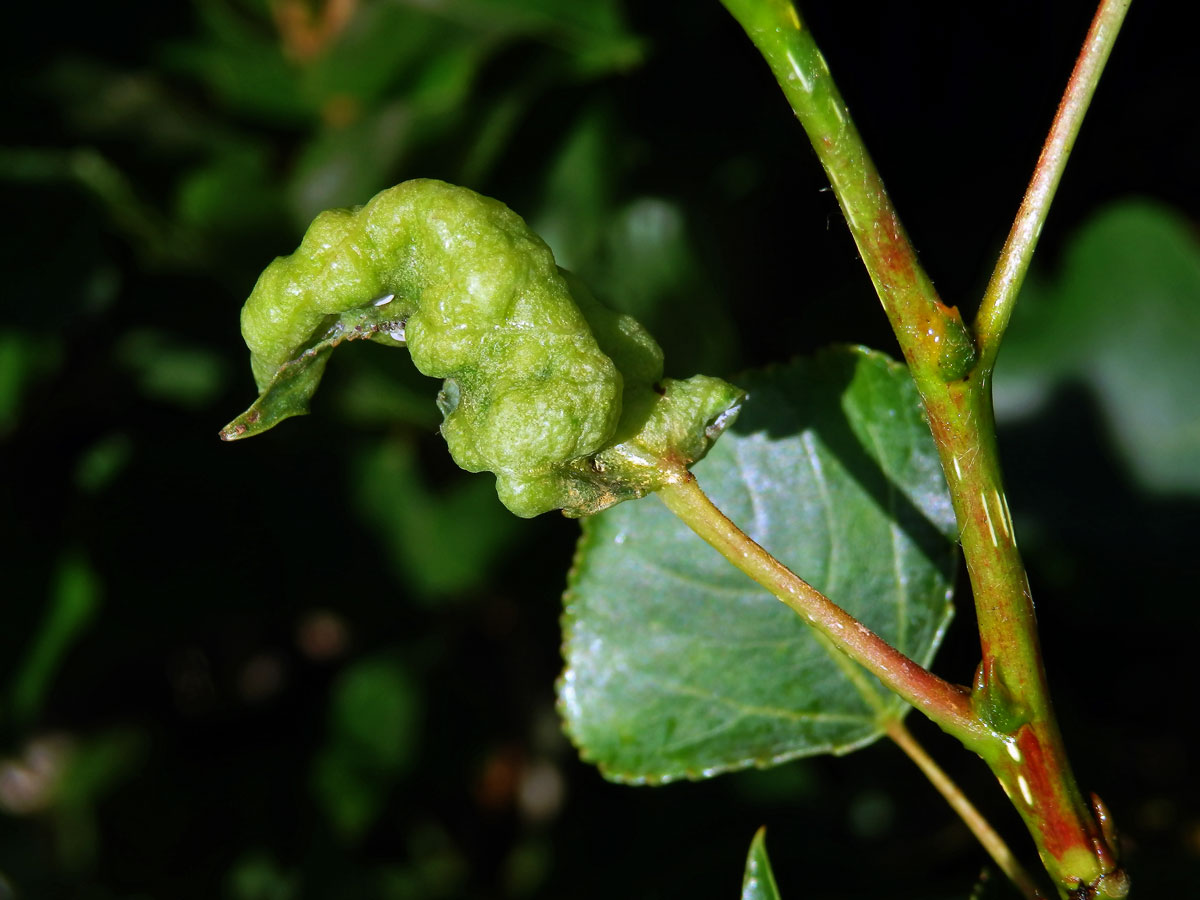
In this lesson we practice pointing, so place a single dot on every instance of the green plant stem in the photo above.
(935, 340)
(946, 704)
(1001, 294)
(972, 817)
(1011, 695)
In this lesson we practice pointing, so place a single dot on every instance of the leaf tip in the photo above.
(232, 431)
(758, 881)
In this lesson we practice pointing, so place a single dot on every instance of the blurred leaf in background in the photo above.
(258, 877)
(373, 727)
(637, 252)
(440, 544)
(1121, 318)
(74, 602)
(24, 359)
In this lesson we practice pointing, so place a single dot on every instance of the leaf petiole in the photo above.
(946, 704)
(1009, 274)
(972, 817)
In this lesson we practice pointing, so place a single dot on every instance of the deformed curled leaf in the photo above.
(562, 398)
(294, 381)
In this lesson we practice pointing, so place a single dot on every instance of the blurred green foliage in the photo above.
(321, 664)
(73, 602)
(1122, 320)
(373, 727)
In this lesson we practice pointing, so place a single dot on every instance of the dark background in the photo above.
(321, 663)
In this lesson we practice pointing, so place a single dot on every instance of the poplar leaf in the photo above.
(679, 666)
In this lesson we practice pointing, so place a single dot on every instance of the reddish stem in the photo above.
(1025, 748)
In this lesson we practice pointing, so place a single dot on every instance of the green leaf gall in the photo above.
(560, 397)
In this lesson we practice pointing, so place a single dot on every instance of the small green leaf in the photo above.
(759, 881)
(679, 666)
